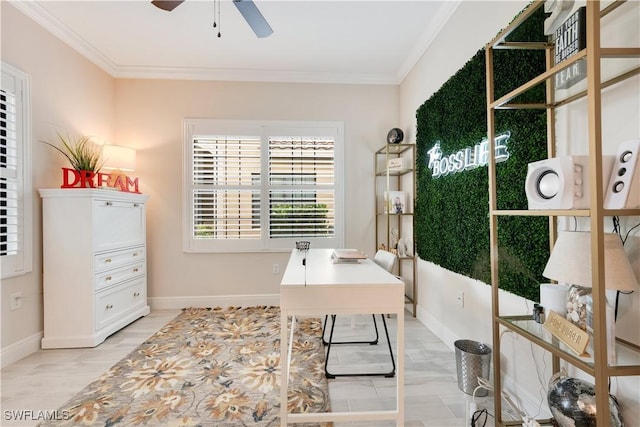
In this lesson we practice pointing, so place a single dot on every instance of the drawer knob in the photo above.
(135, 270)
(109, 306)
(136, 294)
(107, 278)
(135, 205)
(108, 204)
(107, 261)
(134, 254)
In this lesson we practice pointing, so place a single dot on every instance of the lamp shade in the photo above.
(570, 261)
(119, 157)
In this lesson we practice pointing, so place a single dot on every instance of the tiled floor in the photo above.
(432, 396)
(45, 380)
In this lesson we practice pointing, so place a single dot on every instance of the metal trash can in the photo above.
(473, 360)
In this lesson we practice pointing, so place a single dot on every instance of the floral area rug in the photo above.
(207, 367)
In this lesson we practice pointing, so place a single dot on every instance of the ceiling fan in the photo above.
(247, 8)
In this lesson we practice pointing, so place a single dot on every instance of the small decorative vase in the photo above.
(577, 298)
(402, 247)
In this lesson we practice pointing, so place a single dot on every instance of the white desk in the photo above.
(326, 288)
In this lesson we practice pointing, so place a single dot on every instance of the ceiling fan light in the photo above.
(166, 5)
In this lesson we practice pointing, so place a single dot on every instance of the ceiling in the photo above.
(328, 41)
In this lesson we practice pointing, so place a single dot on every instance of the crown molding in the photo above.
(444, 14)
(239, 75)
(49, 22)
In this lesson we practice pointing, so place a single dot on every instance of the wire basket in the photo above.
(303, 245)
(473, 360)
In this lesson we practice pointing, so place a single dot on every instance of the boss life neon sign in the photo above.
(468, 158)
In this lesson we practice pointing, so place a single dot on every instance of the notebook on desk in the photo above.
(347, 255)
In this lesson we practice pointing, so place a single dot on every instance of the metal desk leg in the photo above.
(284, 368)
(328, 374)
(333, 319)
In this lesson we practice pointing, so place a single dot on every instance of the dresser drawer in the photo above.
(117, 224)
(110, 260)
(116, 275)
(112, 303)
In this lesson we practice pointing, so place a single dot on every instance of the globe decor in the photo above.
(572, 402)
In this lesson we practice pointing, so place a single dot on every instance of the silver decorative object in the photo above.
(573, 403)
(302, 245)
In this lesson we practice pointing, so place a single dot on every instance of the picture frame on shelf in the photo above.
(396, 202)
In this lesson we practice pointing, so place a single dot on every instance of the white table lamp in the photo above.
(570, 262)
(119, 157)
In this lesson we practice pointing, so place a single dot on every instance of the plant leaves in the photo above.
(81, 153)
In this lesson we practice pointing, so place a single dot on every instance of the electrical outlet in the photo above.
(276, 268)
(16, 300)
(460, 298)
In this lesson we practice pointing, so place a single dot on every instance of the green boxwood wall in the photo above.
(452, 224)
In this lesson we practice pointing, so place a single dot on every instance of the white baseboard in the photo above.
(438, 328)
(23, 348)
(172, 303)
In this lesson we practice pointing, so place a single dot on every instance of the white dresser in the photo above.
(94, 264)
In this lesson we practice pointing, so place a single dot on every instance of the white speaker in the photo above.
(623, 191)
(561, 182)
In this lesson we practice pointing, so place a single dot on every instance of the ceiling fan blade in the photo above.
(167, 5)
(254, 18)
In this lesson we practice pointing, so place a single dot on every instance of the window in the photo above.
(253, 186)
(15, 173)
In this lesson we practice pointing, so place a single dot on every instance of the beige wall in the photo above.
(68, 93)
(149, 116)
(437, 287)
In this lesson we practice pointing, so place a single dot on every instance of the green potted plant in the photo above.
(85, 158)
(82, 153)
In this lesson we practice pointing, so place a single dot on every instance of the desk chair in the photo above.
(386, 260)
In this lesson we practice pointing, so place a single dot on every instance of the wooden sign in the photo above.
(72, 178)
(570, 334)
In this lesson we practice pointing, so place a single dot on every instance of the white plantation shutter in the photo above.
(301, 187)
(256, 186)
(8, 175)
(226, 187)
(15, 173)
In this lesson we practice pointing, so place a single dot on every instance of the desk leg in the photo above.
(289, 353)
(284, 367)
(400, 368)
